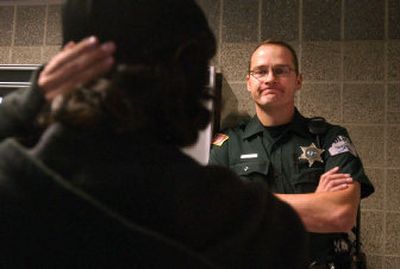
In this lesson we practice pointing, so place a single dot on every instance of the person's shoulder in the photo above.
(238, 129)
(323, 126)
(331, 133)
(231, 132)
(334, 129)
(270, 219)
(336, 138)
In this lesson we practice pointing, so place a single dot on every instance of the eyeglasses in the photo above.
(277, 70)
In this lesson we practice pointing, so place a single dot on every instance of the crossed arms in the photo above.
(332, 207)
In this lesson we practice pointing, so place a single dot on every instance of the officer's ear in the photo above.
(299, 81)
(248, 82)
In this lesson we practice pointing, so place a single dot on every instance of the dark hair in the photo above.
(158, 91)
(282, 44)
(144, 30)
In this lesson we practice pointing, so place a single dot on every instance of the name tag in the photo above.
(249, 156)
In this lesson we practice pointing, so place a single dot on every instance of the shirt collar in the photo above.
(298, 125)
(253, 127)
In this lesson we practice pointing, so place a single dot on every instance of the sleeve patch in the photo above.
(219, 139)
(341, 145)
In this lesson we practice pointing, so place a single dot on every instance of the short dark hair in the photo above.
(158, 89)
(280, 43)
(145, 31)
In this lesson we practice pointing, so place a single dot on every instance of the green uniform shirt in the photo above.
(274, 156)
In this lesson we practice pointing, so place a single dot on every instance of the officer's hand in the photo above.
(332, 180)
(75, 65)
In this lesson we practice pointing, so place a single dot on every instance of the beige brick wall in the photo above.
(29, 31)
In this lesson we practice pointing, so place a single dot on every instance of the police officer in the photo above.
(309, 163)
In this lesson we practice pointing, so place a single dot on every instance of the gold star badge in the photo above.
(311, 154)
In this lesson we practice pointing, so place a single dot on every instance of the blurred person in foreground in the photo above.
(109, 158)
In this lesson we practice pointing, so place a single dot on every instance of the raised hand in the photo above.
(75, 65)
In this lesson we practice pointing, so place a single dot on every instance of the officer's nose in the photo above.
(270, 76)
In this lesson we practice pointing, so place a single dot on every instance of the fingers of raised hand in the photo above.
(81, 78)
(70, 52)
(76, 64)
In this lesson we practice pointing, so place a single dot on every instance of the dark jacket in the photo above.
(18, 111)
(67, 202)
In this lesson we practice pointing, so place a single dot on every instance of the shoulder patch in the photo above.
(341, 145)
(219, 139)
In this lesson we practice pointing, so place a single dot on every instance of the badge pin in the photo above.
(311, 154)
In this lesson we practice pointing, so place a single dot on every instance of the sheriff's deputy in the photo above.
(309, 163)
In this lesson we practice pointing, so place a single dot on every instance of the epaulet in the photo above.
(317, 126)
(219, 139)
